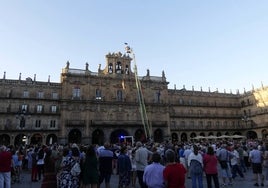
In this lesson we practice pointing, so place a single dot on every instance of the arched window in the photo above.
(98, 94)
(110, 68)
(118, 67)
(126, 70)
(119, 95)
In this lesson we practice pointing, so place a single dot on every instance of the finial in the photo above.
(175, 86)
(163, 74)
(231, 91)
(20, 76)
(67, 65)
(183, 86)
(86, 66)
(252, 87)
(224, 91)
(208, 89)
(34, 77)
(193, 88)
(48, 79)
(148, 72)
(4, 77)
(201, 89)
(244, 90)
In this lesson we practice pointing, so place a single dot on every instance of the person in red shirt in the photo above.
(5, 167)
(174, 173)
(210, 167)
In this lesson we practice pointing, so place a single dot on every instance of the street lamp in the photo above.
(22, 118)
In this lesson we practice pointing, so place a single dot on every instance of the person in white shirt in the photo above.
(235, 162)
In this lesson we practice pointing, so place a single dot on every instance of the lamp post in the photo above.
(246, 119)
(22, 118)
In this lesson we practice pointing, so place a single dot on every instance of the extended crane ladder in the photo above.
(144, 117)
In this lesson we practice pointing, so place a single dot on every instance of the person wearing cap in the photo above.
(153, 173)
(5, 167)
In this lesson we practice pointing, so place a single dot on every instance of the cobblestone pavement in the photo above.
(238, 182)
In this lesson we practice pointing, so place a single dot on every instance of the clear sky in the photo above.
(202, 43)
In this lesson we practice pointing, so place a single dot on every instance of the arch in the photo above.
(4, 139)
(36, 139)
(75, 136)
(98, 137)
(227, 133)
(202, 134)
(116, 135)
(140, 135)
(184, 137)
(51, 139)
(174, 137)
(192, 135)
(210, 134)
(218, 134)
(252, 135)
(19, 139)
(158, 135)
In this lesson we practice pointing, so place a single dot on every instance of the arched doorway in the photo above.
(4, 140)
(218, 134)
(252, 135)
(210, 134)
(117, 136)
(184, 137)
(140, 135)
(75, 136)
(98, 137)
(192, 135)
(202, 134)
(158, 136)
(19, 140)
(36, 139)
(51, 139)
(174, 137)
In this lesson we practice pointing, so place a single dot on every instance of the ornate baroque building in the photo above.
(93, 107)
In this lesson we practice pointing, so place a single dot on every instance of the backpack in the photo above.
(76, 170)
(196, 167)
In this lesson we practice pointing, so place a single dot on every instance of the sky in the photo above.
(216, 44)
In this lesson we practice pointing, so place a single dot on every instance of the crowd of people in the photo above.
(144, 165)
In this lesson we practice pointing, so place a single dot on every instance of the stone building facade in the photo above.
(94, 107)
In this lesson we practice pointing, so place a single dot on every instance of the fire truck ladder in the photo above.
(145, 121)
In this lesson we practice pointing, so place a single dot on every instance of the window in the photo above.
(76, 92)
(55, 95)
(52, 123)
(126, 70)
(98, 94)
(40, 94)
(119, 95)
(38, 123)
(118, 67)
(53, 108)
(157, 96)
(25, 94)
(181, 101)
(24, 108)
(39, 108)
(200, 124)
(110, 68)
